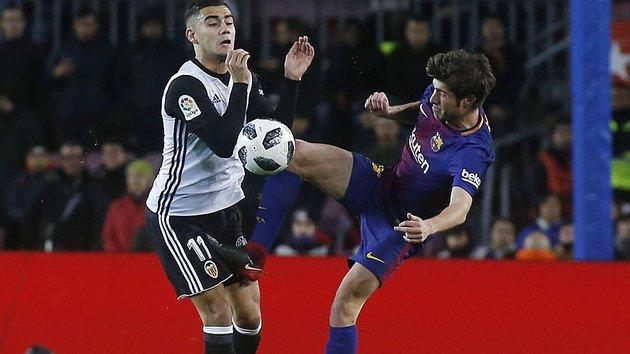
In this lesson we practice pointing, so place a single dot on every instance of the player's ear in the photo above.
(469, 102)
(190, 35)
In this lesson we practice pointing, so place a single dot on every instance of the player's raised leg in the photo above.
(245, 300)
(351, 295)
(325, 166)
(214, 309)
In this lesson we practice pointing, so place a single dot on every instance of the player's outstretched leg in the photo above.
(214, 309)
(354, 290)
(245, 300)
(325, 166)
(278, 196)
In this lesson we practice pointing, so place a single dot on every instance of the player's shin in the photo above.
(279, 194)
(218, 340)
(342, 340)
(246, 340)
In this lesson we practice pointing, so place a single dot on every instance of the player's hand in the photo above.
(236, 62)
(298, 59)
(415, 229)
(378, 104)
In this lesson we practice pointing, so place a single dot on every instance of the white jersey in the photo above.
(193, 180)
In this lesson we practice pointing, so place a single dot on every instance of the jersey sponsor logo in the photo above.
(211, 269)
(472, 178)
(371, 256)
(188, 107)
(416, 150)
(216, 98)
(436, 142)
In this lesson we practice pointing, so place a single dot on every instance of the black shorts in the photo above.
(180, 242)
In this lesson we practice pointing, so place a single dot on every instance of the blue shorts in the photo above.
(382, 249)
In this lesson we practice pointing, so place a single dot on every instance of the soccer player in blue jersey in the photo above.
(429, 190)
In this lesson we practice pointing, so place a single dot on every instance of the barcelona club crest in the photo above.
(436, 142)
(211, 268)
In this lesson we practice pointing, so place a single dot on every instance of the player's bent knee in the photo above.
(248, 321)
(346, 306)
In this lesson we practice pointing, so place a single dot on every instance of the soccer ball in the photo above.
(265, 146)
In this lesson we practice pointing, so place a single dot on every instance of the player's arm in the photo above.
(417, 230)
(378, 104)
(296, 62)
(187, 99)
(260, 107)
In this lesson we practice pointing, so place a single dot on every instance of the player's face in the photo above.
(214, 30)
(444, 103)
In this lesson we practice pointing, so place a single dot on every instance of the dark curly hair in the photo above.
(466, 74)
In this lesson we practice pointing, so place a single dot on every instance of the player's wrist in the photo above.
(292, 77)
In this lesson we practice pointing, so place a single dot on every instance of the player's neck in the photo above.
(468, 121)
(216, 64)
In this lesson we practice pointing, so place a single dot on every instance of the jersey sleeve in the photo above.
(187, 99)
(469, 166)
(259, 106)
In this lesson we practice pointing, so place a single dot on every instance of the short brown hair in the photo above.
(467, 74)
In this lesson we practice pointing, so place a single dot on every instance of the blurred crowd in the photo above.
(82, 137)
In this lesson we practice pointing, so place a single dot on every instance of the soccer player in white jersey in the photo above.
(193, 204)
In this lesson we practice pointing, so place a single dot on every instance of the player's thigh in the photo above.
(244, 297)
(213, 306)
(327, 167)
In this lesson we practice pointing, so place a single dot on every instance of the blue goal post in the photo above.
(592, 143)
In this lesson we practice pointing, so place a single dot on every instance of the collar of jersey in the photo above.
(225, 78)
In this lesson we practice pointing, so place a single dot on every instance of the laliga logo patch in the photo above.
(211, 268)
(436, 142)
(189, 107)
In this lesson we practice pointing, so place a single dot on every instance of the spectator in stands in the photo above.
(622, 238)
(388, 146)
(536, 248)
(354, 68)
(508, 66)
(109, 179)
(406, 66)
(22, 69)
(271, 66)
(551, 171)
(142, 71)
(21, 194)
(564, 248)
(502, 242)
(81, 77)
(548, 221)
(21, 77)
(458, 244)
(125, 217)
(305, 238)
(63, 219)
